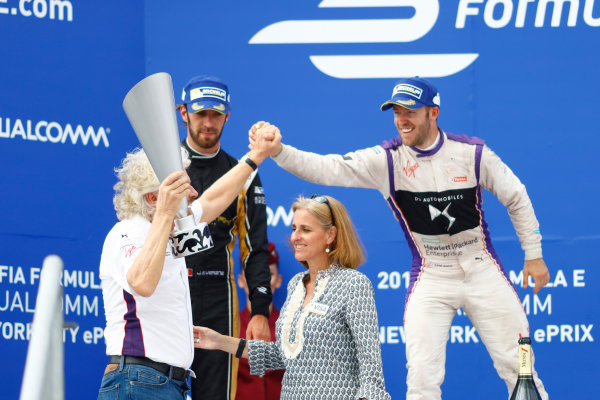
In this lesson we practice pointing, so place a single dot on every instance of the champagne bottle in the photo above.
(525, 388)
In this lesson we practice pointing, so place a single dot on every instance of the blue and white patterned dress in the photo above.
(330, 347)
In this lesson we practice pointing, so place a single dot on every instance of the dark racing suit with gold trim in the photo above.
(435, 195)
(211, 273)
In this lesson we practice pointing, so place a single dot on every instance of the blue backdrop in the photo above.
(520, 74)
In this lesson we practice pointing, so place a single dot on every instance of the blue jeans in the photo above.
(132, 381)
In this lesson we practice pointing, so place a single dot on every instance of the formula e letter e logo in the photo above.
(369, 31)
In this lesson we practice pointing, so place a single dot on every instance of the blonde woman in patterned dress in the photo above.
(327, 332)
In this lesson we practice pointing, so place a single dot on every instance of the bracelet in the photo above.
(240, 349)
(251, 163)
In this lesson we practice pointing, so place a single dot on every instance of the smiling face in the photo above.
(417, 128)
(310, 239)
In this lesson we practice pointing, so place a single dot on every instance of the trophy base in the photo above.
(189, 238)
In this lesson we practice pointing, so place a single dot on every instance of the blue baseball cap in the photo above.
(413, 93)
(206, 92)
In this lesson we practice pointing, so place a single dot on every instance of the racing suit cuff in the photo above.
(260, 305)
(533, 253)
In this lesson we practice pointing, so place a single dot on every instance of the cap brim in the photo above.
(197, 106)
(408, 104)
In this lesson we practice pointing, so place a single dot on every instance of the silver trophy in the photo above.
(150, 108)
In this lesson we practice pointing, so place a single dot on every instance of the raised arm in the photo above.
(145, 272)
(221, 193)
(366, 168)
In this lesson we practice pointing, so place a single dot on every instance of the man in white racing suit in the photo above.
(432, 181)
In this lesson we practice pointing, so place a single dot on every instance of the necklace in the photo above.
(291, 350)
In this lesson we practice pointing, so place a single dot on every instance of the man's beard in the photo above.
(421, 136)
(201, 142)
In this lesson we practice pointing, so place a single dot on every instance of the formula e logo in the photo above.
(369, 31)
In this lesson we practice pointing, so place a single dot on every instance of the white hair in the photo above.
(136, 178)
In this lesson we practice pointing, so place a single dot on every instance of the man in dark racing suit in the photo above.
(205, 110)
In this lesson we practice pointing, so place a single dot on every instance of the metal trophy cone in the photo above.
(150, 108)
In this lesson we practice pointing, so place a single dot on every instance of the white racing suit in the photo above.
(436, 197)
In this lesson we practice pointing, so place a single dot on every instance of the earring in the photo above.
(327, 250)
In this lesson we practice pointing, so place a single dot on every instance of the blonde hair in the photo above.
(136, 178)
(347, 248)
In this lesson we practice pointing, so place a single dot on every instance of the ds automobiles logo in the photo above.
(370, 31)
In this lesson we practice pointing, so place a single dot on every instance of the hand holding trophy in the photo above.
(150, 108)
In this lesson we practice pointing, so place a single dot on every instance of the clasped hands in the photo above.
(263, 134)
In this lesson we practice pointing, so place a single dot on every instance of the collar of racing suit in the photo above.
(396, 142)
(431, 151)
(197, 154)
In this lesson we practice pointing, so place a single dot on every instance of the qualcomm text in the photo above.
(52, 132)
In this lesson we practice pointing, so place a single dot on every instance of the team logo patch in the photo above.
(409, 170)
(197, 107)
(208, 91)
(129, 251)
(259, 190)
(459, 179)
(434, 212)
(410, 90)
(220, 107)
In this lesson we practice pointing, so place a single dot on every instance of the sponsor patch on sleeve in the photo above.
(262, 289)
(375, 149)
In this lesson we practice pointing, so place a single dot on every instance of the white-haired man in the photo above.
(145, 288)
